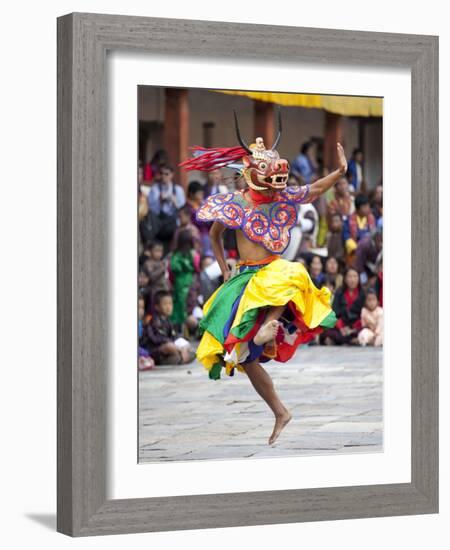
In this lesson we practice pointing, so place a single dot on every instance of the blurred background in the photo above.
(174, 119)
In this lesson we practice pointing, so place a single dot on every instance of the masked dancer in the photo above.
(270, 305)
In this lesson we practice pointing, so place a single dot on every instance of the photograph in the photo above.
(260, 274)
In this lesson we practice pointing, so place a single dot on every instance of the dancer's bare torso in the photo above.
(249, 250)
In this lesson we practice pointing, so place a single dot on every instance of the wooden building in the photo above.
(175, 118)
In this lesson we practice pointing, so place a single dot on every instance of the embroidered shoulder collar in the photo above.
(268, 223)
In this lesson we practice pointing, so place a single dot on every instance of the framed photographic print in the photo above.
(247, 274)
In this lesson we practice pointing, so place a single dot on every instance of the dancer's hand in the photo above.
(226, 275)
(341, 159)
(322, 185)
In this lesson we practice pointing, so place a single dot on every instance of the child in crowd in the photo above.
(156, 267)
(347, 304)
(335, 239)
(358, 224)
(367, 256)
(371, 321)
(185, 223)
(184, 267)
(161, 339)
(196, 194)
(316, 271)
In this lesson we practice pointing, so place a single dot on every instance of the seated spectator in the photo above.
(316, 271)
(161, 341)
(335, 238)
(184, 266)
(358, 224)
(185, 223)
(332, 276)
(156, 267)
(195, 195)
(371, 321)
(347, 304)
(342, 203)
(368, 252)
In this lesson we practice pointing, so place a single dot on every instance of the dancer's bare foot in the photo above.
(280, 423)
(266, 332)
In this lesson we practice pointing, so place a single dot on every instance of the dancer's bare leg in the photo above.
(263, 384)
(268, 329)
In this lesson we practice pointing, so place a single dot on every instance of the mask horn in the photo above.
(238, 133)
(277, 139)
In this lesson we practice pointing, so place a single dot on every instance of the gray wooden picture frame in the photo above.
(83, 42)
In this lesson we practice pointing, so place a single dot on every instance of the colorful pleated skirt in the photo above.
(236, 310)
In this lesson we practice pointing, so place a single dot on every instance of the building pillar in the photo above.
(334, 132)
(264, 122)
(176, 130)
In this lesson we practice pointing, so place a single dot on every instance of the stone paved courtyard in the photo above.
(334, 394)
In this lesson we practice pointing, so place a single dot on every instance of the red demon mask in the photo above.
(263, 168)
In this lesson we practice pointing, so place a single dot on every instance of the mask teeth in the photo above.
(273, 179)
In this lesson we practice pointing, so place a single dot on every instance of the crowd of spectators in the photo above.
(338, 238)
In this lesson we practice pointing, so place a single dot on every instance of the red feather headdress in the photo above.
(213, 158)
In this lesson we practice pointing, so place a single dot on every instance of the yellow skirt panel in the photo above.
(282, 281)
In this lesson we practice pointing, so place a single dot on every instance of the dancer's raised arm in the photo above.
(319, 187)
